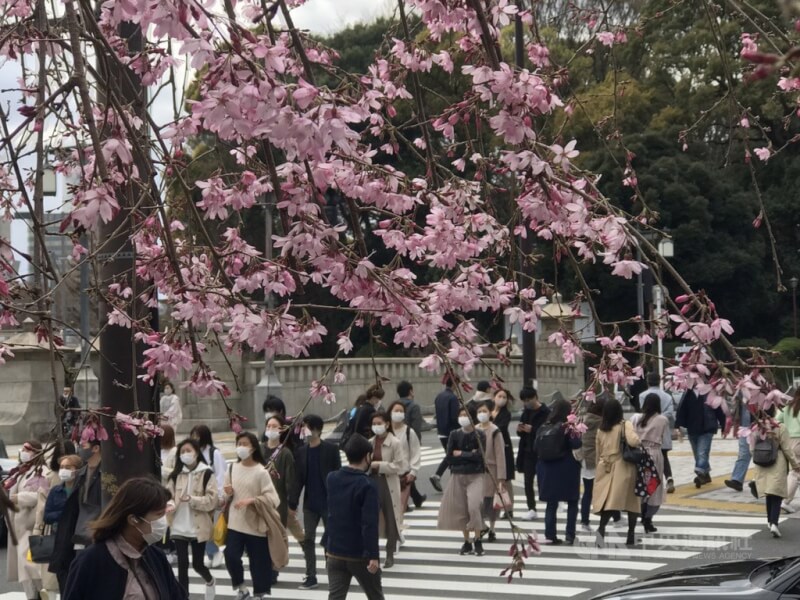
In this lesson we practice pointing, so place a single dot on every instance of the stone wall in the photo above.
(297, 375)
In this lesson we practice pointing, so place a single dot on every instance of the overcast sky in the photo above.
(329, 16)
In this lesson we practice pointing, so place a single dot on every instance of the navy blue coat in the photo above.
(447, 406)
(352, 527)
(560, 479)
(697, 416)
(54, 506)
(95, 575)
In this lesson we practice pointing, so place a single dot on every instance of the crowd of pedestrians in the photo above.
(606, 466)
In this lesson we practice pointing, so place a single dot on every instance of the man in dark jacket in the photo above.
(534, 414)
(83, 506)
(314, 461)
(701, 422)
(405, 394)
(351, 535)
(69, 404)
(446, 405)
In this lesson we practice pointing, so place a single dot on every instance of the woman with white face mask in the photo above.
(122, 562)
(501, 416)
(495, 459)
(31, 481)
(248, 485)
(462, 501)
(190, 512)
(388, 463)
(50, 505)
(281, 468)
(411, 451)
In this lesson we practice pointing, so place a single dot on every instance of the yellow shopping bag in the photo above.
(220, 529)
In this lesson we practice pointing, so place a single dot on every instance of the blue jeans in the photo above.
(742, 461)
(701, 448)
(550, 524)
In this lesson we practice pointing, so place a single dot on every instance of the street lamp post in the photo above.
(666, 249)
(793, 283)
(269, 383)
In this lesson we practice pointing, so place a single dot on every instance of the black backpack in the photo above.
(765, 452)
(550, 442)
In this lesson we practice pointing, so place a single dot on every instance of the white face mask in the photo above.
(243, 452)
(501, 401)
(157, 530)
(398, 417)
(464, 421)
(188, 458)
(66, 474)
(272, 434)
(379, 429)
(483, 417)
(25, 456)
(269, 415)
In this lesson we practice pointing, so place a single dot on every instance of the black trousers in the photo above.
(198, 553)
(341, 573)
(586, 500)
(257, 548)
(773, 508)
(444, 464)
(530, 491)
(667, 467)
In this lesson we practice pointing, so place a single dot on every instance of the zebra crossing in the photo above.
(428, 564)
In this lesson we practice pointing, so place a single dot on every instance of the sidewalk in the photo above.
(715, 495)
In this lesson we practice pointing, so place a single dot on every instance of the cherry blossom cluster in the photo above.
(295, 141)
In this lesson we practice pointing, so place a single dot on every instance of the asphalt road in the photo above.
(428, 565)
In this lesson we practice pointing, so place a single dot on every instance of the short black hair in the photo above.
(448, 382)
(314, 422)
(483, 386)
(404, 389)
(274, 404)
(528, 393)
(653, 379)
(357, 448)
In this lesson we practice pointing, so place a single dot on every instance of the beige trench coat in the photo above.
(393, 463)
(495, 455)
(26, 489)
(202, 502)
(772, 480)
(615, 479)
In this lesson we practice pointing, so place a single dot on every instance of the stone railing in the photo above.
(297, 375)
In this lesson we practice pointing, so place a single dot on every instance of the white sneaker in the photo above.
(211, 590)
(530, 515)
(786, 507)
(775, 531)
(586, 527)
(243, 595)
(218, 560)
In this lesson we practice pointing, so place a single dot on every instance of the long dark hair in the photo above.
(612, 414)
(179, 464)
(137, 496)
(650, 408)
(795, 403)
(596, 407)
(559, 411)
(257, 455)
(203, 434)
